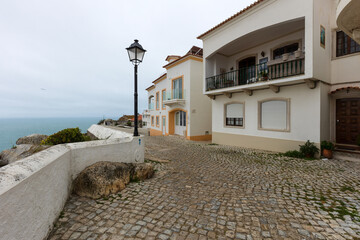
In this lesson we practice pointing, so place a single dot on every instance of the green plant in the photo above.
(101, 121)
(293, 154)
(327, 145)
(13, 147)
(128, 123)
(68, 135)
(309, 149)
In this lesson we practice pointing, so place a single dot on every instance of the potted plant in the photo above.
(285, 56)
(264, 76)
(327, 149)
(297, 53)
(309, 149)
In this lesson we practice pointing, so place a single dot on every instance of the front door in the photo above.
(164, 126)
(247, 70)
(347, 120)
(180, 123)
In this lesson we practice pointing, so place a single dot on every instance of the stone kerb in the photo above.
(33, 191)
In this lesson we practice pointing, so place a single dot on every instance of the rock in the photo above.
(104, 178)
(143, 171)
(34, 139)
(19, 152)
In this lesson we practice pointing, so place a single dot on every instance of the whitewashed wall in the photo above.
(33, 191)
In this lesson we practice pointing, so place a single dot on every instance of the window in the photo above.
(152, 120)
(274, 115)
(345, 45)
(234, 114)
(157, 121)
(177, 91)
(180, 118)
(163, 97)
(157, 101)
(277, 53)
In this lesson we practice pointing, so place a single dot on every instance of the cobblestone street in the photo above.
(207, 191)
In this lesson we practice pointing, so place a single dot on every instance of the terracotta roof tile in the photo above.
(231, 18)
(345, 88)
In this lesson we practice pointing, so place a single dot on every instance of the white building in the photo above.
(281, 72)
(176, 103)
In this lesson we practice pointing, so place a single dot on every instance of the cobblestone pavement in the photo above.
(217, 192)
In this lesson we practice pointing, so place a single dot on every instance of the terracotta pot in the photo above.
(328, 153)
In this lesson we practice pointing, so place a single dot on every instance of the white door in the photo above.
(180, 123)
(163, 125)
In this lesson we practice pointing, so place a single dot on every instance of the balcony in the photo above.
(271, 70)
(174, 97)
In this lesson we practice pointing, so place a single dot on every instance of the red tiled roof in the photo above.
(230, 18)
(194, 51)
(159, 77)
(345, 88)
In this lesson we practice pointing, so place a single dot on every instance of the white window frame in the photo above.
(288, 116)
(225, 113)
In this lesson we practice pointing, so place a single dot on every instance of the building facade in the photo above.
(177, 105)
(281, 72)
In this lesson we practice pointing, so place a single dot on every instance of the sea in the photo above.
(12, 129)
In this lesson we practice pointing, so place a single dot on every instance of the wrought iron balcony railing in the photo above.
(261, 72)
(175, 94)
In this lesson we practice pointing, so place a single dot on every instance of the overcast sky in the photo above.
(67, 58)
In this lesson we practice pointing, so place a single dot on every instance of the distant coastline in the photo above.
(13, 128)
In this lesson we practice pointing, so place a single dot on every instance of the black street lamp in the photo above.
(136, 55)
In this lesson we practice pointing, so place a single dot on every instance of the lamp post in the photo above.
(136, 55)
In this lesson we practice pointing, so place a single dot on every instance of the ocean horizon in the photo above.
(12, 129)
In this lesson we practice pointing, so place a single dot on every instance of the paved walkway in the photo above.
(218, 192)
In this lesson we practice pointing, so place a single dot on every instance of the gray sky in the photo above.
(67, 58)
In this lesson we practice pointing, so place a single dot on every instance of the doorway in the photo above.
(247, 70)
(347, 120)
(180, 123)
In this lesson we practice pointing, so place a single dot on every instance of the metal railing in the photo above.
(256, 73)
(174, 94)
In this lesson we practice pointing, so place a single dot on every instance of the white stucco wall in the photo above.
(304, 113)
(33, 191)
(200, 105)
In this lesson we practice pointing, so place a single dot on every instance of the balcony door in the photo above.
(177, 89)
(247, 70)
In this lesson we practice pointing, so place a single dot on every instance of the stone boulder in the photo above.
(33, 139)
(19, 152)
(104, 178)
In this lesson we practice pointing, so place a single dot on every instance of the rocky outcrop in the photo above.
(25, 147)
(19, 152)
(33, 139)
(104, 178)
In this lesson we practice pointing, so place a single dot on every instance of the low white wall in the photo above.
(33, 191)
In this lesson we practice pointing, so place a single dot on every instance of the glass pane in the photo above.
(184, 121)
(274, 115)
(177, 118)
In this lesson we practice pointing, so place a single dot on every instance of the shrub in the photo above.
(294, 154)
(309, 149)
(128, 123)
(68, 135)
(327, 145)
(101, 122)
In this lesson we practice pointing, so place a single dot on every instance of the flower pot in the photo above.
(328, 153)
(285, 56)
